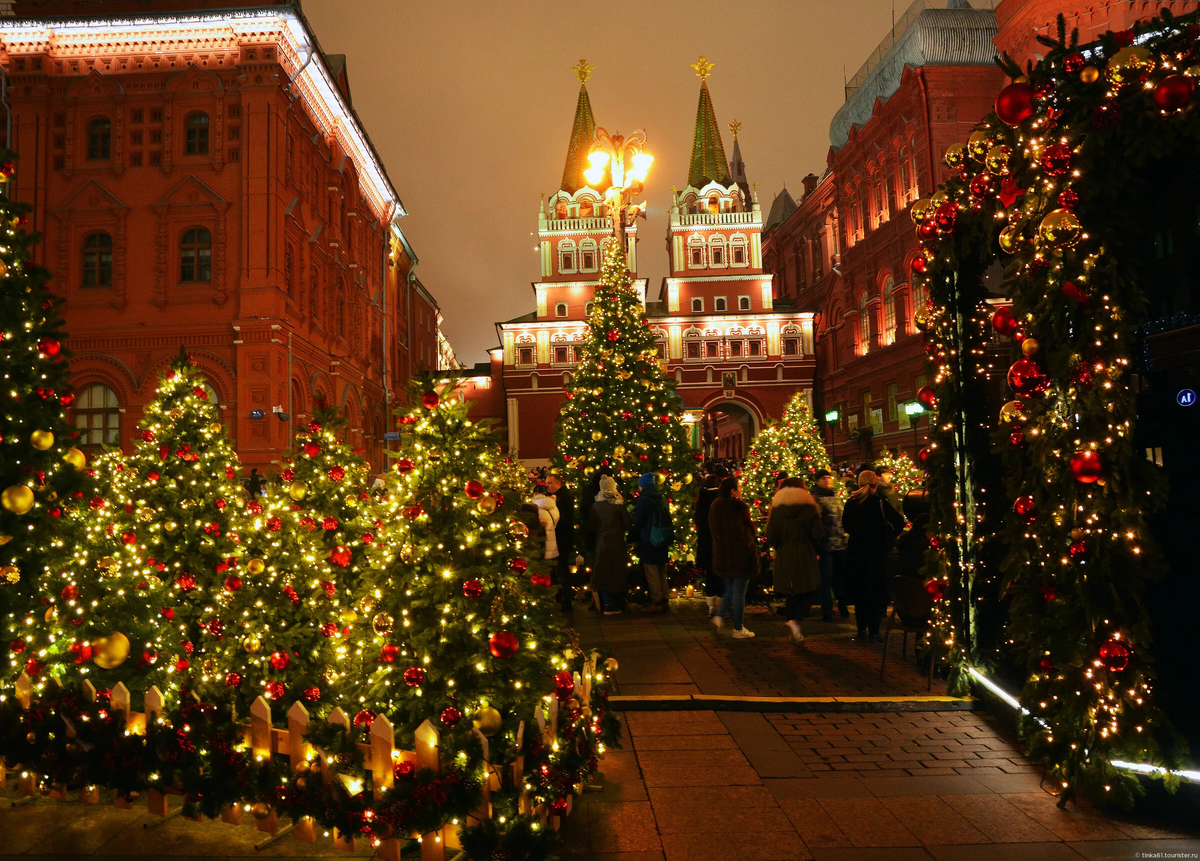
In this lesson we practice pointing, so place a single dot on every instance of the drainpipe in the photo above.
(928, 132)
(291, 415)
(412, 275)
(387, 391)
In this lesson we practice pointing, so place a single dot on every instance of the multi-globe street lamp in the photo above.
(628, 162)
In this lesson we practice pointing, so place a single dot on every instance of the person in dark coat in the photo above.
(654, 558)
(872, 525)
(564, 532)
(714, 586)
(609, 523)
(911, 546)
(794, 529)
(587, 499)
(734, 553)
(832, 552)
(255, 483)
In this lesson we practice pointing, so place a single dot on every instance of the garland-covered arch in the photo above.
(1040, 505)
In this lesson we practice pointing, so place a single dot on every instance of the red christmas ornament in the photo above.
(70, 593)
(254, 507)
(1026, 377)
(200, 393)
(1068, 199)
(129, 537)
(564, 685)
(926, 230)
(368, 538)
(1170, 94)
(147, 436)
(926, 397)
(49, 347)
(1048, 593)
(389, 653)
(1017, 439)
(1078, 550)
(311, 695)
(1085, 466)
(542, 580)
(232, 680)
(288, 474)
(1056, 159)
(1106, 115)
(276, 690)
(414, 511)
(1114, 655)
(336, 473)
(167, 613)
(329, 524)
(982, 185)
(414, 677)
(935, 542)
(216, 627)
(220, 504)
(430, 400)
(1004, 322)
(404, 466)
(1014, 105)
(16, 647)
(1046, 665)
(936, 590)
(919, 265)
(626, 414)
(613, 334)
(404, 421)
(182, 664)
(1025, 509)
(923, 455)
(558, 807)
(474, 489)
(311, 449)
(329, 629)
(472, 588)
(341, 556)
(274, 524)
(518, 564)
(81, 652)
(1071, 291)
(33, 668)
(67, 399)
(279, 660)
(233, 583)
(1073, 63)
(451, 716)
(503, 644)
(404, 770)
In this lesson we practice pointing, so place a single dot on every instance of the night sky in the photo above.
(470, 106)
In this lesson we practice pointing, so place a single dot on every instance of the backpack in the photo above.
(662, 531)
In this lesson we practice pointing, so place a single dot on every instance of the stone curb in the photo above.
(802, 705)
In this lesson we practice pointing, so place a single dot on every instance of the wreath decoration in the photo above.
(1039, 512)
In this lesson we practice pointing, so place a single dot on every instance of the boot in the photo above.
(796, 636)
(712, 603)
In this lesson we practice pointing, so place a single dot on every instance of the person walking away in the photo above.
(794, 530)
(872, 525)
(548, 519)
(609, 523)
(655, 534)
(832, 552)
(564, 536)
(255, 483)
(714, 586)
(734, 553)
(588, 497)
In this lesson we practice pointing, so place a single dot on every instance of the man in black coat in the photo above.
(564, 534)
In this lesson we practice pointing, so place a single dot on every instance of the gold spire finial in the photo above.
(582, 71)
(735, 127)
(703, 67)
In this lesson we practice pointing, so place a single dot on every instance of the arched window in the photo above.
(99, 139)
(588, 308)
(919, 299)
(195, 255)
(560, 309)
(97, 416)
(97, 260)
(696, 252)
(719, 304)
(716, 251)
(566, 257)
(196, 134)
(864, 326)
(589, 259)
(697, 304)
(889, 310)
(739, 253)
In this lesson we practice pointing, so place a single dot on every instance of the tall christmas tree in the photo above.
(792, 445)
(140, 600)
(40, 467)
(906, 475)
(293, 627)
(622, 412)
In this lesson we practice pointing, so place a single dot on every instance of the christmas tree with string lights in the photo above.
(40, 466)
(792, 445)
(622, 412)
(293, 627)
(140, 598)
(906, 475)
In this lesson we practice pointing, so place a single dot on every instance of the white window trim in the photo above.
(694, 244)
(517, 355)
(569, 363)
(718, 242)
(738, 240)
(749, 303)
(716, 308)
(565, 309)
(567, 251)
(696, 310)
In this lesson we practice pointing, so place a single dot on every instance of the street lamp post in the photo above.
(628, 163)
(914, 410)
(831, 418)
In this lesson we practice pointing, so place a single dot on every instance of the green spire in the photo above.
(583, 132)
(708, 153)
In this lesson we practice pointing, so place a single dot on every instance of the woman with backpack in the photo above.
(872, 525)
(734, 553)
(794, 530)
(655, 534)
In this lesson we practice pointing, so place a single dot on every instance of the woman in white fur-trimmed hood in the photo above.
(794, 531)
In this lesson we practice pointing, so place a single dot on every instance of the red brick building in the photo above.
(735, 352)
(201, 179)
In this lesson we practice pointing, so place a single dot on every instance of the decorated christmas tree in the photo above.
(622, 413)
(906, 475)
(40, 466)
(792, 445)
(294, 629)
(141, 598)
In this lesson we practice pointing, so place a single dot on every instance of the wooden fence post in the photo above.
(299, 750)
(260, 748)
(383, 776)
(156, 801)
(27, 781)
(88, 794)
(432, 846)
(518, 773)
(337, 717)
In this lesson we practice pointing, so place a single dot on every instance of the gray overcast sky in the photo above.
(470, 105)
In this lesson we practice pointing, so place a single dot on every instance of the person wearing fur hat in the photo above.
(608, 525)
(794, 529)
(872, 524)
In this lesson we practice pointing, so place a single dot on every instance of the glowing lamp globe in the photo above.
(1014, 105)
(1085, 466)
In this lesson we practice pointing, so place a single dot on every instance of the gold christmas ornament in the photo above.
(105, 565)
(348, 617)
(256, 566)
(260, 810)
(517, 529)
(611, 665)
(252, 644)
(597, 436)
(170, 526)
(383, 624)
(660, 477)
(11, 574)
(1010, 239)
(1029, 346)
(921, 210)
(619, 359)
(1130, 65)
(1060, 228)
(956, 156)
(215, 427)
(4, 539)
(297, 490)
(1192, 71)
(668, 448)
(1013, 413)
(1089, 74)
(145, 515)
(978, 144)
(41, 439)
(110, 652)
(75, 458)
(486, 504)
(406, 553)
(487, 721)
(996, 160)
(50, 614)
(619, 451)
(18, 499)
(367, 605)
(598, 391)
(687, 479)
(351, 500)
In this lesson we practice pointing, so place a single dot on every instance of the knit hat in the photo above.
(821, 473)
(647, 480)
